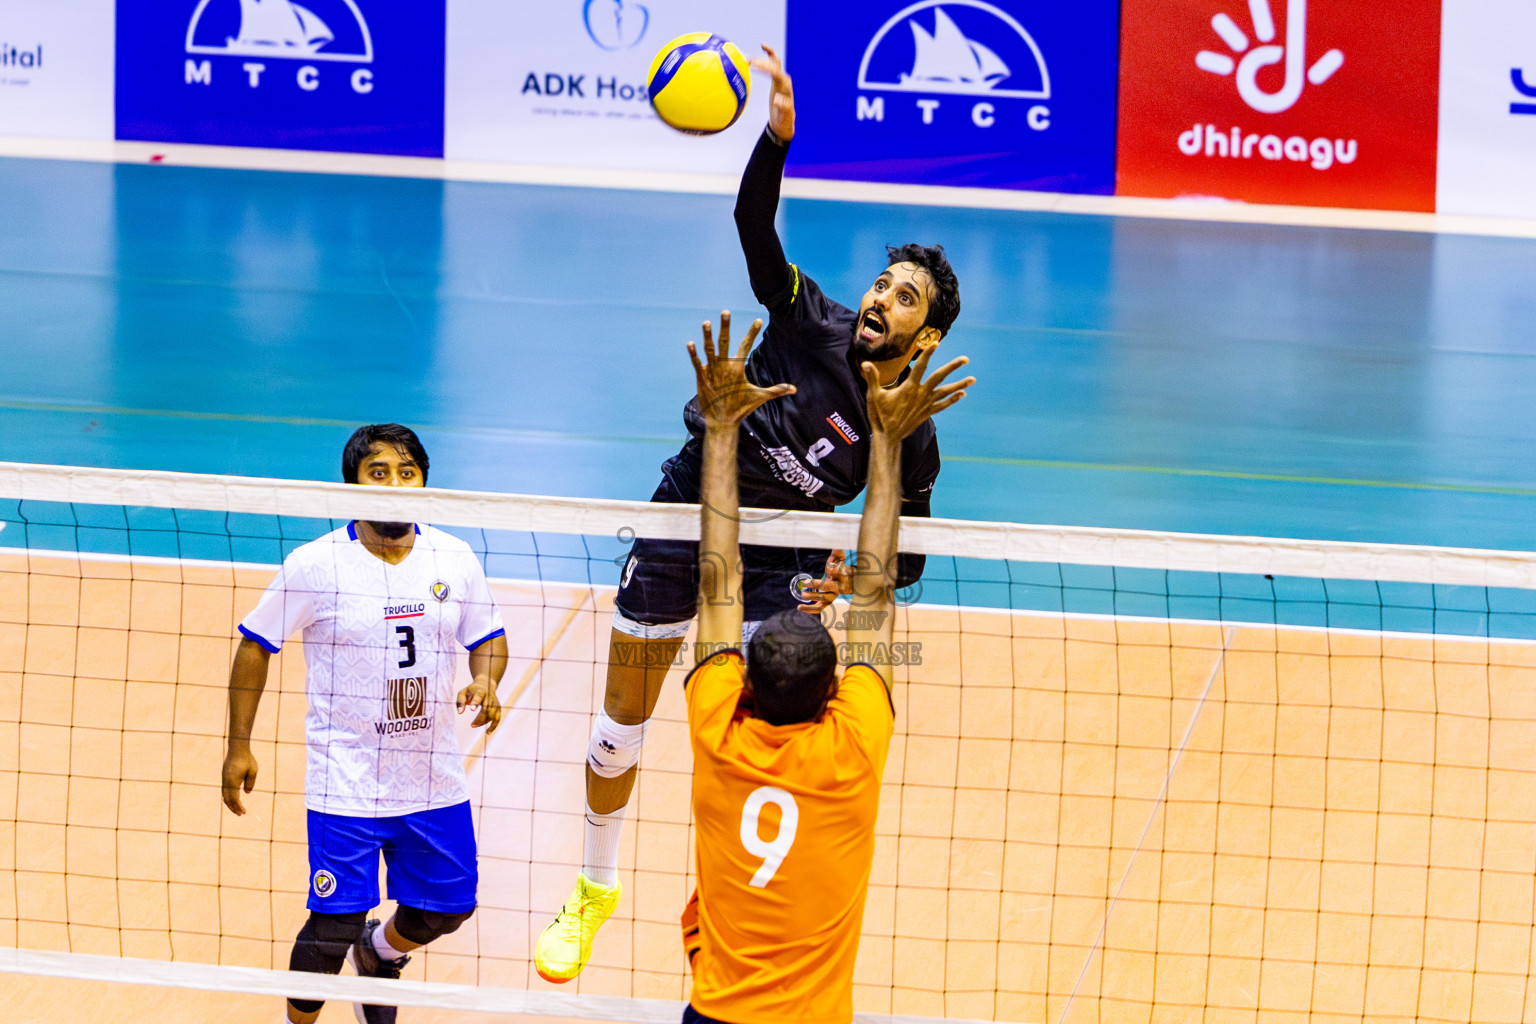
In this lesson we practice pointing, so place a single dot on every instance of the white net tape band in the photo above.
(259, 981)
(1073, 545)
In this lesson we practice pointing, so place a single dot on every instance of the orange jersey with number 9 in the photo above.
(785, 817)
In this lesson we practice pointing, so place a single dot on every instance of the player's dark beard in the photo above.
(891, 348)
(888, 347)
(391, 531)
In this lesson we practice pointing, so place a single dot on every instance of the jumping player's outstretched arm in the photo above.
(894, 413)
(725, 399)
(757, 201)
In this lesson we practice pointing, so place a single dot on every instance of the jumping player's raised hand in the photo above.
(898, 410)
(781, 103)
(836, 580)
(726, 396)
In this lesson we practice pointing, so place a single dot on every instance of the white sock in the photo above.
(382, 947)
(602, 846)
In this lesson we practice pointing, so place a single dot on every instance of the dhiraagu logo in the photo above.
(1294, 53)
(1237, 143)
(956, 61)
(615, 24)
(281, 30)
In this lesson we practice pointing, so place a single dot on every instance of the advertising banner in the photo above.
(1006, 94)
(1488, 108)
(358, 76)
(564, 82)
(56, 68)
(1304, 102)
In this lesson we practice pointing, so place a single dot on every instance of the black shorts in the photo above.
(659, 584)
(692, 1016)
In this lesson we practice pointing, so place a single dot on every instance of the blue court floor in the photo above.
(1309, 382)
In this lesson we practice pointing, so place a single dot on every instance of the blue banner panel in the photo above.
(359, 76)
(1013, 94)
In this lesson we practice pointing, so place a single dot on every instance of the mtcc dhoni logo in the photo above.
(614, 24)
(955, 48)
(260, 30)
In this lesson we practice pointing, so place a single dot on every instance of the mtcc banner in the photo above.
(1011, 94)
(352, 75)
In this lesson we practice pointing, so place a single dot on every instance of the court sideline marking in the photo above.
(1202, 209)
(20, 405)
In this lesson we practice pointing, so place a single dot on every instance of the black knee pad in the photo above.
(422, 926)
(321, 948)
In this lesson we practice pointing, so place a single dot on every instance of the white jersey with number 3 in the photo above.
(381, 649)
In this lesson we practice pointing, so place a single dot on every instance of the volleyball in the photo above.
(699, 83)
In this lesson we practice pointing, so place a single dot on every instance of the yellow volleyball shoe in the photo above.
(566, 945)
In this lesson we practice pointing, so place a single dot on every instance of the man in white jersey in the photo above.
(383, 607)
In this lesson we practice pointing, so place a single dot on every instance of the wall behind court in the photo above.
(1425, 106)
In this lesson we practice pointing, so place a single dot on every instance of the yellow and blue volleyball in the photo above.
(699, 83)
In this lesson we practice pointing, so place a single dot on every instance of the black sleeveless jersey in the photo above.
(811, 449)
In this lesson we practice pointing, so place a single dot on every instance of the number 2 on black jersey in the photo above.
(407, 644)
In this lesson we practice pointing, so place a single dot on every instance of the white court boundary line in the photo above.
(1195, 208)
(1071, 545)
(260, 981)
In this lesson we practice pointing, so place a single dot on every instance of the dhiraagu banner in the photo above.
(1301, 102)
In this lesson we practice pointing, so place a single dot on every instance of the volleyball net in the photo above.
(1135, 775)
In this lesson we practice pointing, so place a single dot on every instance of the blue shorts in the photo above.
(430, 856)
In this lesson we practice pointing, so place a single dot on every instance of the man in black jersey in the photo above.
(808, 450)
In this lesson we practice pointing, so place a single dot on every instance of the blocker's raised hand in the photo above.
(726, 396)
(898, 410)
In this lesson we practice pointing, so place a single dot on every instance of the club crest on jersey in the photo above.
(799, 585)
(440, 591)
(324, 883)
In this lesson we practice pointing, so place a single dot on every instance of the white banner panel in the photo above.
(562, 81)
(56, 64)
(1488, 108)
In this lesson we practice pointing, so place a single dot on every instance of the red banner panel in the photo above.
(1320, 103)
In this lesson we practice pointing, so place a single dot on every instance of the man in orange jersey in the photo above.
(787, 756)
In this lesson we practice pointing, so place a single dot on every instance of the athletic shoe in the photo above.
(368, 964)
(566, 945)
